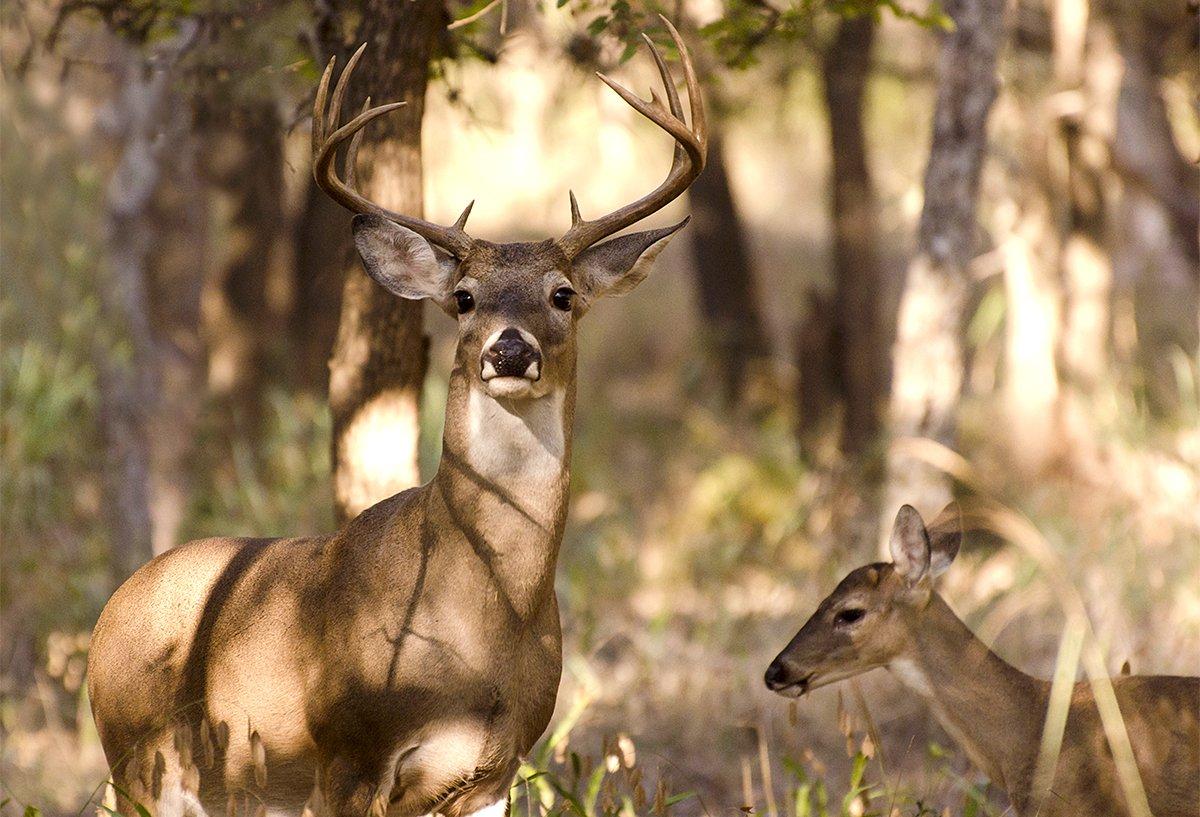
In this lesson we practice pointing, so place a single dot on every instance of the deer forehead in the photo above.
(867, 583)
(534, 259)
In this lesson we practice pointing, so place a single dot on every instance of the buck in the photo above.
(404, 664)
(888, 615)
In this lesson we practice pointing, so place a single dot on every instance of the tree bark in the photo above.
(243, 160)
(145, 118)
(321, 258)
(928, 353)
(1157, 264)
(379, 356)
(725, 276)
(861, 334)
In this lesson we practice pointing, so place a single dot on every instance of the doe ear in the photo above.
(910, 545)
(617, 266)
(403, 262)
(945, 537)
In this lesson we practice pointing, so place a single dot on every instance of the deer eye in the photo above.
(849, 616)
(562, 298)
(464, 300)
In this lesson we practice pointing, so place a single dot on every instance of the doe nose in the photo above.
(511, 356)
(776, 675)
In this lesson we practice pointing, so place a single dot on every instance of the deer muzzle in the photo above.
(512, 353)
(785, 680)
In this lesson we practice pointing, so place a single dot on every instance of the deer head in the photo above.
(517, 304)
(867, 621)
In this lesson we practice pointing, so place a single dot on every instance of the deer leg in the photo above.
(346, 789)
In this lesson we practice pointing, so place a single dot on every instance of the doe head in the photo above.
(868, 619)
(518, 304)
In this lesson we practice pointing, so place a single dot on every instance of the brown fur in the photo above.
(403, 664)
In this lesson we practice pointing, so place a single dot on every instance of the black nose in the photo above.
(776, 676)
(510, 355)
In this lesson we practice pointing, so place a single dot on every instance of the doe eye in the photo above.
(849, 616)
(464, 300)
(563, 298)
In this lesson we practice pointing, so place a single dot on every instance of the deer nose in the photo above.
(776, 675)
(510, 355)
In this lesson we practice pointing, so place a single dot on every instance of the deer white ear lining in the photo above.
(909, 544)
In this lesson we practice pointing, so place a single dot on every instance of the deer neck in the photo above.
(503, 483)
(993, 710)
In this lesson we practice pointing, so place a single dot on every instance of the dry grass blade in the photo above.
(1065, 667)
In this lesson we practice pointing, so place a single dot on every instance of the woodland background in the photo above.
(938, 250)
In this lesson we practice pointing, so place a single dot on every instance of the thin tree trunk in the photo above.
(379, 356)
(1085, 268)
(725, 276)
(861, 334)
(176, 280)
(1158, 260)
(928, 353)
(243, 159)
(131, 384)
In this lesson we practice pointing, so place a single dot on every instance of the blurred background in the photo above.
(938, 251)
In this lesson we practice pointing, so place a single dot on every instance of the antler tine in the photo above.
(668, 83)
(575, 217)
(691, 147)
(318, 126)
(695, 101)
(343, 84)
(351, 162)
(328, 136)
(460, 223)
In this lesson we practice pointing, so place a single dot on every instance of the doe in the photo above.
(888, 615)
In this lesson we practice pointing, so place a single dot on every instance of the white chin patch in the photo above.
(510, 388)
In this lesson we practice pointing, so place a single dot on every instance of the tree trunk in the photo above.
(176, 280)
(861, 334)
(1085, 268)
(243, 160)
(928, 353)
(321, 258)
(144, 121)
(1158, 260)
(379, 356)
(725, 276)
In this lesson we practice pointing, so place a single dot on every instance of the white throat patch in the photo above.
(519, 443)
(912, 676)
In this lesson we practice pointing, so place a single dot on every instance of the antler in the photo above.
(691, 148)
(327, 137)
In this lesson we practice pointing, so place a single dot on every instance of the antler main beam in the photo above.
(327, 137)
(691, 149)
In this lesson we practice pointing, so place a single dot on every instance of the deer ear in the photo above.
(617, 266)
(910, 545)
(945, 537)
(403, 262)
